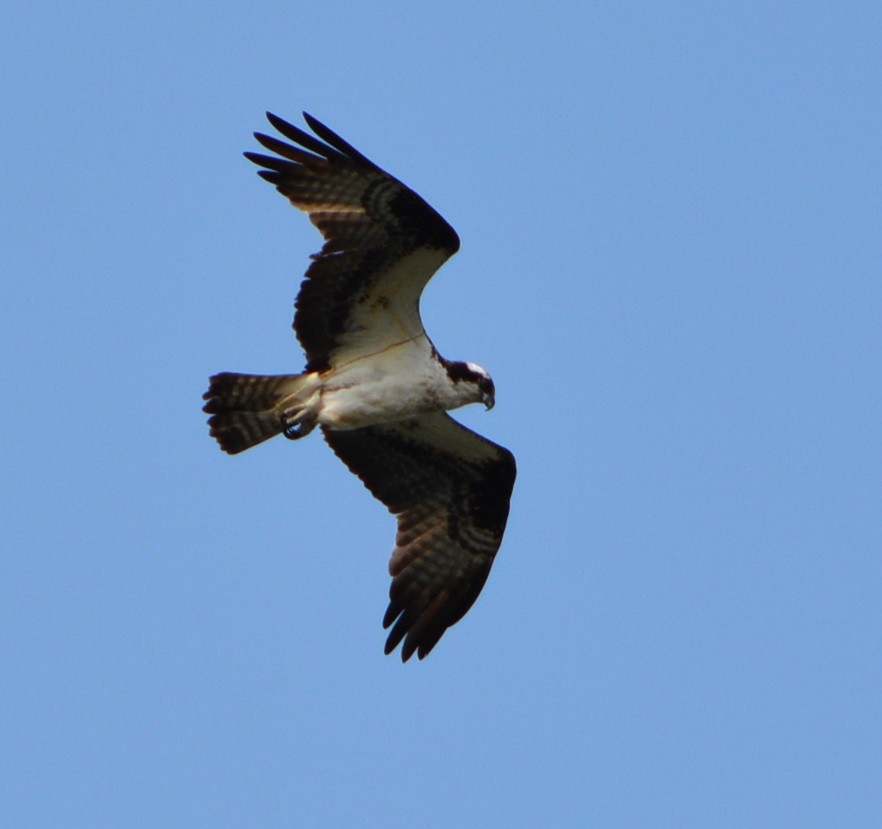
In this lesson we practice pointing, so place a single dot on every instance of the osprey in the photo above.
(374, 382)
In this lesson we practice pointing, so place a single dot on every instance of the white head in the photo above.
(475, 379)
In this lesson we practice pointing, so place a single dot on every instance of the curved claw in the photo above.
(292, 432)
(298, 427)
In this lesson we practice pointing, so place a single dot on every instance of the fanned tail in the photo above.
(247, 409)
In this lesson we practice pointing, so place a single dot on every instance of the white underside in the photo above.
(401, 381)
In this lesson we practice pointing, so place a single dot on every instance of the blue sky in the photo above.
(670, 264)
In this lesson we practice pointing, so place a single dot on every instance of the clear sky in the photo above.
(672, 266)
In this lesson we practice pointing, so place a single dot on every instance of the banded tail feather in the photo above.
(247, 409)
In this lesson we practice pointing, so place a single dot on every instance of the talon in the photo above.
(292, 431)
(298, 426)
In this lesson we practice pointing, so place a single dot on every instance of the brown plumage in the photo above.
(450, 490)
(374, 382)
(369, 220)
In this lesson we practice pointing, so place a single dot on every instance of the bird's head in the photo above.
(474, 378)
(485, 386)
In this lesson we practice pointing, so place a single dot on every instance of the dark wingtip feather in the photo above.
(271, 176)
(271, 162)
(298, 136)
(394, 639)
(287, 150)
(331, 137)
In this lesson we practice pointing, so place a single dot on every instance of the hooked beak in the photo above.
(489, 402)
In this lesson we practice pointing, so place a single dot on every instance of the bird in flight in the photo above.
(375, 384)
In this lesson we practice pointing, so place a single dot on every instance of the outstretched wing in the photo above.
(450, 490)
(382, 245)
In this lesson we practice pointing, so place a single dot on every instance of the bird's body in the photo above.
(401, 382)
(375, 383)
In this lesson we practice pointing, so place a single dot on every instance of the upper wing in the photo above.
(383, 243)
(450, 489)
